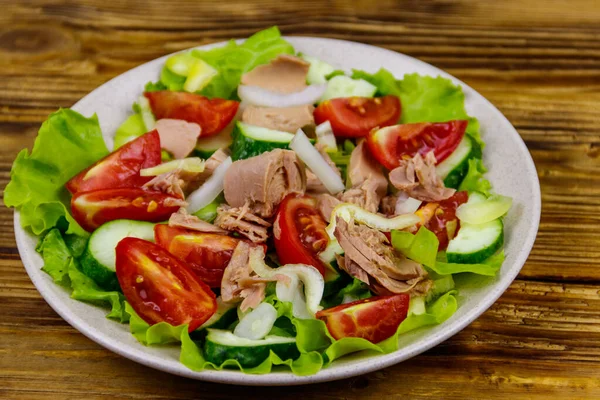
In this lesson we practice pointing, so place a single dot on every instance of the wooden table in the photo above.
(538, 61)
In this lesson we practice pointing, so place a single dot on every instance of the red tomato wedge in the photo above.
(374, 319)
(120, 168)
(388, 145)
(299, 232)
(440, 218)
(356, 116)
(213, 115)
(160, 287)
(207, 254)
(92, 209)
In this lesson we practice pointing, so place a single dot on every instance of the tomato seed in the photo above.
(138, 202)
(152, 206)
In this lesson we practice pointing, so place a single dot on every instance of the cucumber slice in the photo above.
(224, 316)
(250, 140)
(221, 345)
(454, 168)
(257, 323)
(475, 243)
(190, 164)
(205, 147)
(317, 71)
(344, 86)
(131, 129)
(99, 258)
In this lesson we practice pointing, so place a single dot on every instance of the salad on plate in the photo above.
(261, 207)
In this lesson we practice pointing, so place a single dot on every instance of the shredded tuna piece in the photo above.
(352, 268)
(243, 221)
(314, 184)
(363, 166)
(181, 219)
(325, 204)
(241, 283)
(263, 181)
(417, 177)
(237, 284)
(388, 205)
(286, 119)
(171, 182)
(370, 250)
(284, 74)
(364, 195)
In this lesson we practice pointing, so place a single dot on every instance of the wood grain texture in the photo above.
(538, 61)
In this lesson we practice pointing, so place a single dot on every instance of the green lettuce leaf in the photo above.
(383, 79)
(66, 143)
(474, 180)
(62, 266)
(233, 60)
(130, 129)
(423, 248)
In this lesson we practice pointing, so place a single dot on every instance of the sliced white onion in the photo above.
(300, 275)
(317, 164)
(209, 191)
(258, 96)
(325, 135)
(407, 206)
(257, 323)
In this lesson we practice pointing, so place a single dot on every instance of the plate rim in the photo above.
(367, 364)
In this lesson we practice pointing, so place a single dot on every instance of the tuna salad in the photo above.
(261, 207)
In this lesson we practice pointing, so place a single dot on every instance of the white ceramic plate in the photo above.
(511, 170)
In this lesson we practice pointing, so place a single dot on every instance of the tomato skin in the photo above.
(374, 319)
(390, 144)
(213, 115)
(160, 287)
(207, 254)
(121, 168)
(357, 116)
(92, 209)
(436, 216)
(302, 233)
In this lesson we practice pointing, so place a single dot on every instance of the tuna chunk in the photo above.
(369, 185)
(285, 74)
(417, 177)
(363, 166)
(241, 220)
(352, 268)
(238, 283)
(325, 204)
(263, 181)
(286, 119)
(181, 219)
(177, 136)
(370, 250)
(364, 195)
